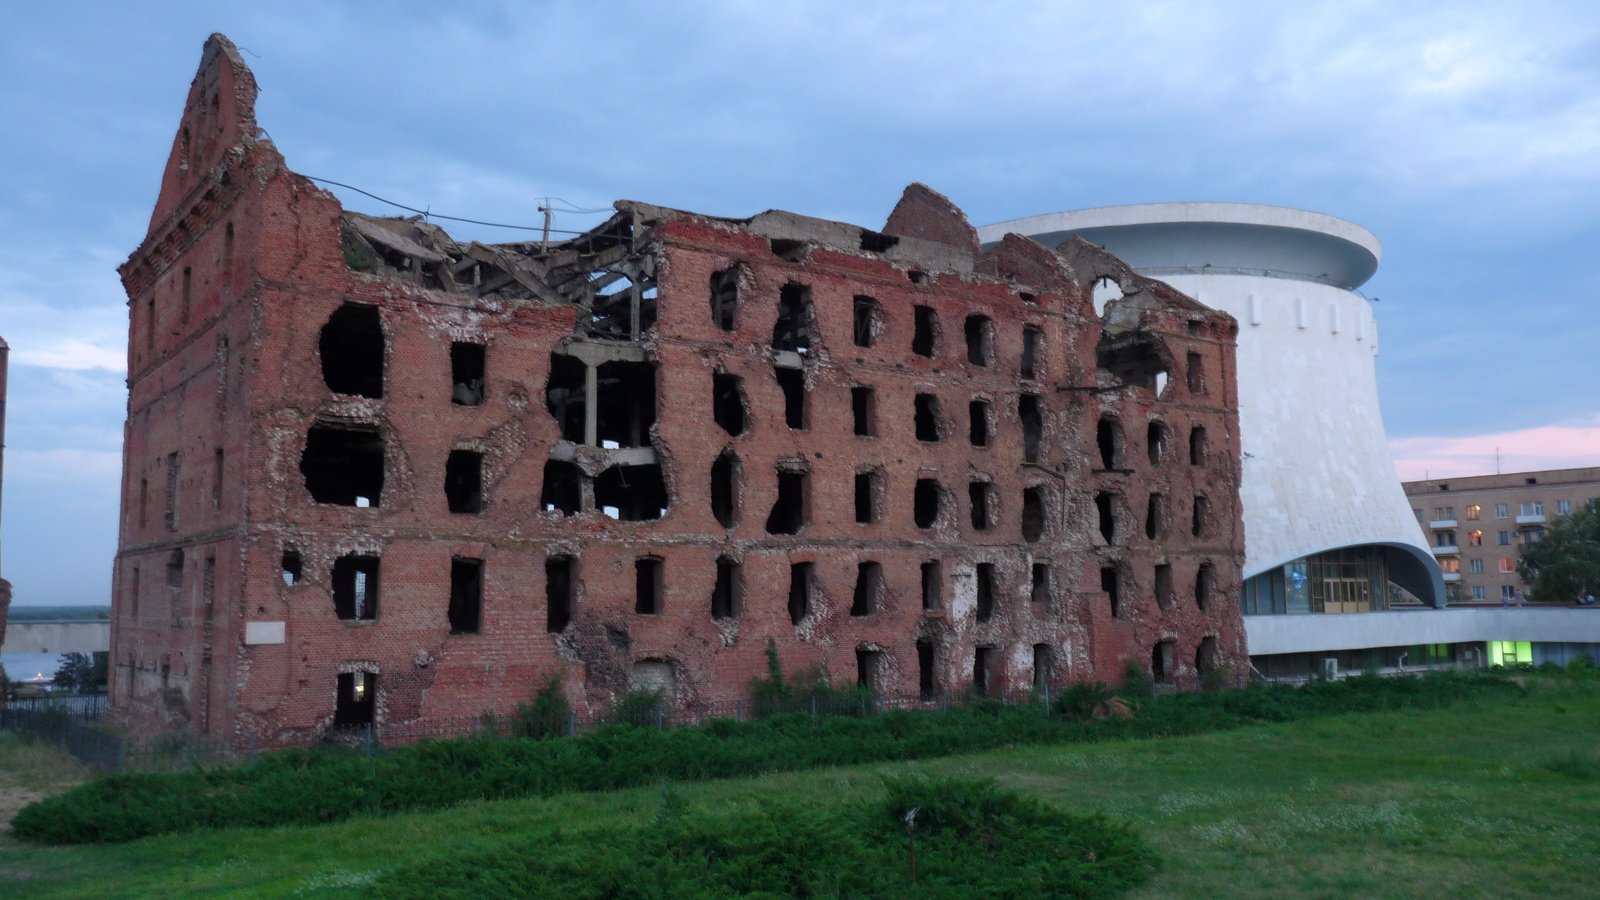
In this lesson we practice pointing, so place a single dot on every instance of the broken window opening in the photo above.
(559, 591)
(625, 404)
(647, 585)
(343, 465)
(175, 587)
(916, 276)
(355, 701)
(173, 483)
(793, 330)
(867, 314)
(925, 331)
(1039, 590)
(801, 578)
(793, 384)
(1032, 416)
(227, 244)
(925, 503)
(1195, 373)
(864, 410)
(466, 595)
(150, 328)
(1135, 359)
(1155, 517)
(985, 577)
(788, 250)
(1205, 655)
(463, 481)
(1202, 512)
(1105, 291)
(567, 395)
(1204, 579)
(1155, 442)
(925, 669)
(791, 510)
(1031, 338)
(869, 665)
(1163, 586)
(1161, 663)
(725, 298)
(468, 363)
(355, 587)
(216, 478)
(931, 581)
(187, 296)
(727, 403)
(1034, 514)
(1111, 586)
(869, 589)
(979, 332)
(620, 307)
(292, 568)
(867, 489)
(631, 493)
(144, 502)
(978, 427)
(1043, 664)
(563, 488)
(874, 242)
(982, 671)
(351, 347)
(1197, 445)
(725, 488)
(1108, 437)
(727, 594)
(979, 494)
(927, 418)
(1104, 504)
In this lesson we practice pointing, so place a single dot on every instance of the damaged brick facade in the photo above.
(375, 474)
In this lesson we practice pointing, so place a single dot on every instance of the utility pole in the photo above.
(544, 242)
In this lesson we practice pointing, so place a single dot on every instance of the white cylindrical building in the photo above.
(1327, 526)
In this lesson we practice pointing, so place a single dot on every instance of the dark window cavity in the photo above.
(292, 568)
(868, 595)
(1197, 445)
(466, 595)
(869, 665)
(927, 417)
(216, 478)
(925, 669)
(792, 331)
(1111, 586)
(560, 588)
(1031, 339)
(1108, 437)
(173, 484)
(932, 578)
(980, 340)
(727, 403)
(725, 298)
(1155, 517)
(925, 503)
(1205, 655)
(1202, 512)
(983, 671)
(1155, 442)
(355, 701)
(563, 488)
(793, 384)
(1043, 663)
(1105, 506)
(1161, 662)
(725, 488)
(566, 395)
(625, 403)
(801, 578)
(343, 465)
(864, 321)
(789, 512)
(647, 580)
(355, 586)
(864, 410)
(1039, 590)
(1032, 416)
(467, 368)
(979, 494)
(631, 493)
(1033, 514)
(788, 250)
(868, 489)
(1163, 579)
(985, 590)
(978, 427)
(1204, 581)
(925, 330)
(1196, 373)
(463, 481)
(351, 346)
(727, 594)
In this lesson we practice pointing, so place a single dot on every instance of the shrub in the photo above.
(1082, 701)
(640, 707)
(1136, 681)
(549, 715)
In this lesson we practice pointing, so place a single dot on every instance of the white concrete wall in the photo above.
(57, 637)
(1353, 631)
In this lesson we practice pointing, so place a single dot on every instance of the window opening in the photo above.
(978, 428)
(867, 497)
(980, 340)
(873, 242)
(1155, 442)
(625, 404)
(925, 669)
(1163, 579)
(724, 488)
(1111, 586)
(978, 494)
(927, 417)
(466, 595)
(292, 568)
(985, 578)
(559, 588)
(801, 576)
(931, 580)
(1197, 445)
(631, 493)
(1105, 291)
(144, 502)
(1039, 590)
(1202, 511)
(1033, 514)
(463, 481)
(1204, 578)
(562, 491)
(792, 331)
(1195, 373)
(725, 298)
(869, 589)
(1103, 504)
(351, 347)
(925, 503)
(355, 587)
(727, 402)
(793, 384)
(343, 465)
(868, 665)
(188, 294)
(1155, 517)
(1205, 655)
(1032, 416)
(789, 514)
(864, 321)
(355, 698)
(982, 674)
(1108, 436)
(863, 410)
(1134, 359)
(467, 367)
(1031, 338)
(647, 580)
(1161, 663)
(726, 594)
(566, 395)
(175, 587)
(1042, 666)
(216, 478)
(173, 483)
(925, 330)
(788, 250)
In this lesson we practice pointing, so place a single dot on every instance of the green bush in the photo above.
(1080, 702)
(549, 715)
(301, 787)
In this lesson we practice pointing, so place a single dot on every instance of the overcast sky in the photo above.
(1466, 136)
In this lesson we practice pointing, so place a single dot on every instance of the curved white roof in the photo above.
(1156, 238)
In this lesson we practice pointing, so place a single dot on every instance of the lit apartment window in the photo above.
(1563, 507)
(1508, 566)
(1475, 566)
(1505, 538)
(1477, 592)
(1450, 564)
(1536, 508)
(1475, 538)
(1474, 511)
(1501, 511)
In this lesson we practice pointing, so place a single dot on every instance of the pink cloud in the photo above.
(1524, 450)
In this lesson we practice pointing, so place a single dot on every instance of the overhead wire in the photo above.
(428, 214)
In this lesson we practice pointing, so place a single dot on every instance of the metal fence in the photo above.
(73, 725)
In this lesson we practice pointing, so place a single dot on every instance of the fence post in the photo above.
(369, 740)
(572, 722)
(944, 701)
(661, 718)
(738, 710)
(813, 706)
(251, 748)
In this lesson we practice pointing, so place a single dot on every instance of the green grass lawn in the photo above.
(1490, 798)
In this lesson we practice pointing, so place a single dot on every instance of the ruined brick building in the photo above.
(375, 474)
